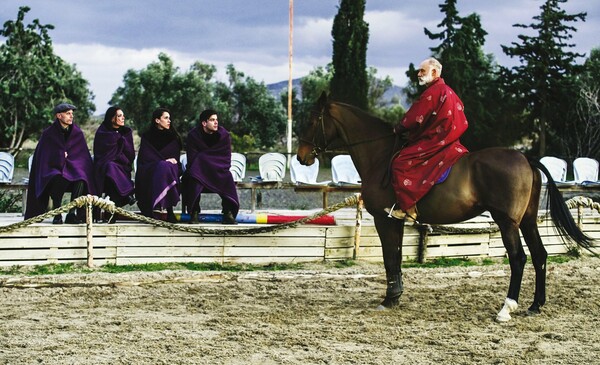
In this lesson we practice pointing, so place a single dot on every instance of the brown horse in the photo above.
(499, 180)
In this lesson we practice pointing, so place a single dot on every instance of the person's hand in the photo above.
(172, 160)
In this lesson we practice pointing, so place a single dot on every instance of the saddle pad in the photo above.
(444, 176)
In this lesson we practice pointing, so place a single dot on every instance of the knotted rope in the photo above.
(425, 230)
(110, 207)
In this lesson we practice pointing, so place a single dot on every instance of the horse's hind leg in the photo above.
(539, 255)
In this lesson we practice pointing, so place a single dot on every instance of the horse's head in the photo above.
(315, 134)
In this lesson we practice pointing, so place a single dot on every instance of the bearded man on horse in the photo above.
(434, 124)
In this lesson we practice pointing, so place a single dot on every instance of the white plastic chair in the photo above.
(585, 170)
(7, 167)
(343, 171)
(557, 168)
(305, 175)
(238, 166)
(272, 167)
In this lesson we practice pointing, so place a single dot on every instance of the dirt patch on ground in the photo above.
(321, 315)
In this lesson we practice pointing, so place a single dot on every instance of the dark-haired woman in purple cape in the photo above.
(61, 162)
(158, 167)
(208, 148)
(113, 158)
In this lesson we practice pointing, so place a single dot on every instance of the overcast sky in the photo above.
(106, 38)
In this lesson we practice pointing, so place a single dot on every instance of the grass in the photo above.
(70, 268)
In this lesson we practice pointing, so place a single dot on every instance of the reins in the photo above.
(317, 149)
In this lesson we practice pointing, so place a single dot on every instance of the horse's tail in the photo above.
(559, 212)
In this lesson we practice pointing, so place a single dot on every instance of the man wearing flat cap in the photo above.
(61, 163)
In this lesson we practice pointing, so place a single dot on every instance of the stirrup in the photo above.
(400, 214)
(395, 213)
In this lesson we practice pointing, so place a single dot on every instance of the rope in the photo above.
(582, 201)
(110, 207)
(425, 229)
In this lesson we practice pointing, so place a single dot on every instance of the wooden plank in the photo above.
(458, 239)
(169, 251)
(46, 254)
(262, 242)
(274, 251)
(147, 230)
(334, 243)
(97, 262)
(45, 242)
(458, 250)
(154, 260)
(270, 260)
(169, 241)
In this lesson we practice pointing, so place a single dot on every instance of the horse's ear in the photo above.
(322, 99)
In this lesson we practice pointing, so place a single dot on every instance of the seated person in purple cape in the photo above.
(61, 162)
(208, 149)
(158, 167)
(113, 158)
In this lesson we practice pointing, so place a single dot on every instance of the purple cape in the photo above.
(208, 169)
(49, 161)
(156, 180)
(113, 157)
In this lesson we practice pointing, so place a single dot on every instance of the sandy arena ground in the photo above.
(321, 315)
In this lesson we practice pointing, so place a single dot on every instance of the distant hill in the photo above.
(278, 88)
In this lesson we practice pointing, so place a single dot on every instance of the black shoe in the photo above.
(131, 200)
(72, 219)
(171, 218)
(228, 218)
(193, 218)
(57, 219)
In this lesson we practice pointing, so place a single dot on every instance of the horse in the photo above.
(502, 181)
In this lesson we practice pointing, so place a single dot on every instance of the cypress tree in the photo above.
(350, 33)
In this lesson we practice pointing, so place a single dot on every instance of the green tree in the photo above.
(312, 85)
(350, 37)
(33, 80)
(472, 75)
(253, 110)
(389, 110)
(318, 81)
(545, 78)
(245, 106)
(583, 138)
(185, 94)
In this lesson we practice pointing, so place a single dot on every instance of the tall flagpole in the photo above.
(289, 108)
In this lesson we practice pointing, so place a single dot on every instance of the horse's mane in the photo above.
(364, 116)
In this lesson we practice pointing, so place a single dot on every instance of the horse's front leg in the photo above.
(391, 233)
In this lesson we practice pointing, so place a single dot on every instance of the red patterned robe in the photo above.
(434, 124)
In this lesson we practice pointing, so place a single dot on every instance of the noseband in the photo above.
(318, 148)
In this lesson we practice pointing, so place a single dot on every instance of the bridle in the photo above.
(317, 149)
(322, 148)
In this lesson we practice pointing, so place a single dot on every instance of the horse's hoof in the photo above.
(533, 311)
(380, 307)
(389, 303)
(503, 318)
(510, 305)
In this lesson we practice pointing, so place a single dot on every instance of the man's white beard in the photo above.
(424, 80)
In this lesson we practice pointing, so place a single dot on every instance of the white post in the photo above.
(289, 121)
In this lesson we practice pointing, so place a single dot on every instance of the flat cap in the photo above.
(63, 107)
